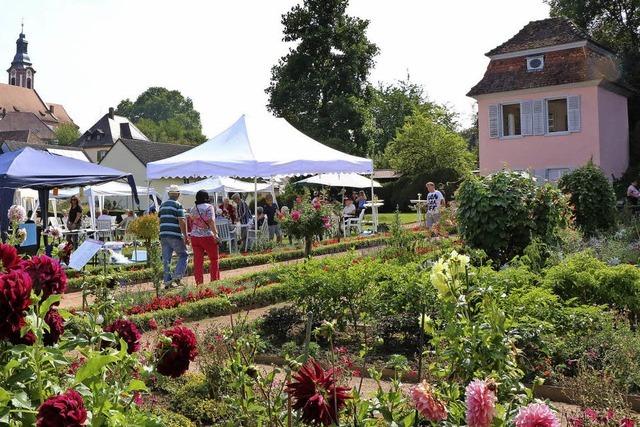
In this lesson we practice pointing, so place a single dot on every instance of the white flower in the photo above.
(22, 235)
(17, 214)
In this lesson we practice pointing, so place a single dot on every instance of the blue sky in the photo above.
(90, 54)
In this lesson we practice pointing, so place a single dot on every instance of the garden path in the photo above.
(74, 299)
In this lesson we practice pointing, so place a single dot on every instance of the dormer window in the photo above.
(535, 63)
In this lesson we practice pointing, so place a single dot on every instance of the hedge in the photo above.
(232, 263)
(218, 306)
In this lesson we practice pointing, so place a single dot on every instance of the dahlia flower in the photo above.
(627, 422)
(481, 403)
(536, 415)
(316, 394)
(63, 410)
(427, 404)
(47, 276)
(15, 290)
(56, 327)
(128, 331)
(17, 213)
(9, 258)
(174, 358)
(295, 215)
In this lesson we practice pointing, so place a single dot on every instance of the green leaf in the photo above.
(44, 307)
(94, 366)
(5, 396)
(136, 385)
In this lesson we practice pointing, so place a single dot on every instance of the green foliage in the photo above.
(164, 116)
(592, 198)
(320, 85)
(423, 144)
(503, 212)
(66, 133)
(279, 322)
(591, 281)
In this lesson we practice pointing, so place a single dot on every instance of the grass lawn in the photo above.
(405, 217)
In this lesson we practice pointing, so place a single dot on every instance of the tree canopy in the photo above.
(320, 85)
(66, 133)
(164, 115)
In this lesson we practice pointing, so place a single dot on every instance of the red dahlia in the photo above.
(63, 410)
(316, 394)
(47, 276)
(56, 327)
(15, 290)
(174, 358)
(8, 257)
(128, 331)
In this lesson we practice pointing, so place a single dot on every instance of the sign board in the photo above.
(81, 256)
(30, 228)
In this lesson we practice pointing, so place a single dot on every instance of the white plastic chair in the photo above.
(54, 221)
(354, 223)
(103, 229)
(257, 235)
(225, 235)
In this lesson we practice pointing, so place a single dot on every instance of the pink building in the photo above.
(550, 100)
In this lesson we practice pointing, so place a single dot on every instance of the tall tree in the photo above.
(164, 115)
(320, 85)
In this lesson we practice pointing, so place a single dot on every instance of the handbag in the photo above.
(215, 236)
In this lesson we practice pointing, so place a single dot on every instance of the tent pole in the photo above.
(255, 203)
(374, 209)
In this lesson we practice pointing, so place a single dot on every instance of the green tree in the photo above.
(422, 145)
(164, 115)
(320, 84)
(67, 133)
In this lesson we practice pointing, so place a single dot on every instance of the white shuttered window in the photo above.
(494, 126)
(526, 117)
(573, 113)
(539, 117)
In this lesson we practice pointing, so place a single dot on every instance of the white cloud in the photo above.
(90, 54)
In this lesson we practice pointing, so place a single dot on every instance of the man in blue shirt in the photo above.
(173, 237)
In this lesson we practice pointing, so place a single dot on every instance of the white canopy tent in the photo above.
(258, 146)
(224, 185)
(352, 180)
(113, 188)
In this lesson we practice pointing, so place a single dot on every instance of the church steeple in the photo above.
(21, 72)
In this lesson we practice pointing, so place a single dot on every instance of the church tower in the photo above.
(21, 72)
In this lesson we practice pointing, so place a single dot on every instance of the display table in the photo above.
(374, 212)
(419, 204)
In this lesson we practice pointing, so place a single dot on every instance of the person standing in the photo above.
(228, 211)
(270, 210)
(74, 220)
(633, 195)
(204, 238)
(243, 215)
(173, 237)
(435, 200)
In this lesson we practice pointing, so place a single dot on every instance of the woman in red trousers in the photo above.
(204, 237)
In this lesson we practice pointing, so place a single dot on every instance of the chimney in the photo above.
(52, 109)
(112, 113)
(125, 131)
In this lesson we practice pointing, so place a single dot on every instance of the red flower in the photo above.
(295, 215)
(63, 410)
(174, 358)
(56, 327)
(8, 257)
(316, 394)
(47, 276)
(153, 325)
(15, 290)
(28, 339)
(128, 331)
(627, 422)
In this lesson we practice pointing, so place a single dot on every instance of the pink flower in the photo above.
(317, 206)
(536, 415)
(627, 422)
(295, 215)
(591, 414)
(17, 213)
(427, 404)
(153, 325)
(481, 403)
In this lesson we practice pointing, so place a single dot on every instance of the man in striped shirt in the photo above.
(173, 237)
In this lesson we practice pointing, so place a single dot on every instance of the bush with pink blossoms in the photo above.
(307, 221)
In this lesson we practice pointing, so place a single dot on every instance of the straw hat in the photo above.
(173, 189)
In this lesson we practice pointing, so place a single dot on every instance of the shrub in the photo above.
(502, 212)
(592, 198)
(278, 323)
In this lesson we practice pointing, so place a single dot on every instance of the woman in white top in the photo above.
(204, 237)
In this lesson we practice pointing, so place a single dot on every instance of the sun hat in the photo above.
(173, 188)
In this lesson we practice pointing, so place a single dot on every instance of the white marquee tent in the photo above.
(352, 180)
(258, 146)
(223, 185)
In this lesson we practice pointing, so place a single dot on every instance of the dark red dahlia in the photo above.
(47, 276)
(153, 325)
(56, 327)
(128, 331)
(174, 358)
(9, 258)
(28, 339)
(63, 410)
(316, 394)
(15, 290)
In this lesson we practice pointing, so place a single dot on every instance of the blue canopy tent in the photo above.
(43, 171)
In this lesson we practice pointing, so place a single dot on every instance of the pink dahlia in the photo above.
(47, 276)
(174, 358)
(536, 415)
(9, 258)
(481, 403)
(128, 331)
(427, 404)
(56, 327)
(315, 393)
(627, 422)
(295, 215)
(63, 410)
(15, 292)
